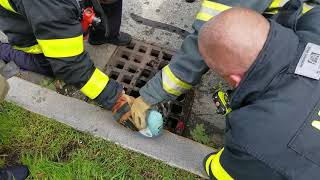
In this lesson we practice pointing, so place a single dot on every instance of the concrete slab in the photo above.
(169, 148)
(3, 37)
(101, 54)
(178, 13)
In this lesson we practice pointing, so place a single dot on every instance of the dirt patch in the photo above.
(10, 155)
(66, 150)
(148, 175)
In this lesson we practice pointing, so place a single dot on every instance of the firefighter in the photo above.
(187, 67)
(50, 35)
(273, 129)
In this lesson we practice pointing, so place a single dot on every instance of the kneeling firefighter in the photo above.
(47, 37)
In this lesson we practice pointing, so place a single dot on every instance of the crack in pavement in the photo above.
(158, 25)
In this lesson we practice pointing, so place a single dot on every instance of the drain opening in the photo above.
(166, 56)
(134, 94)
(137, 59)
(162, 65)
(171, 123)
(142, 49)
(114, 75)
(125, 55)
(176, 109)
(146, 73)
(133, 69)
(181, 98)
(155, 53)
(120, 65)
(131, 45)
(152, 63)
(126, 79)
(140, 83)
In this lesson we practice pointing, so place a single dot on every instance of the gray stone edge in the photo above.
(172, 149)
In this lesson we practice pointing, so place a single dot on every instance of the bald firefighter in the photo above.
(185, 70)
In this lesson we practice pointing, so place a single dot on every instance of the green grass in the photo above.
(55, 151)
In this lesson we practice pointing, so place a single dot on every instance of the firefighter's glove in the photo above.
(121, 111)
(139, 112)
(4, 88)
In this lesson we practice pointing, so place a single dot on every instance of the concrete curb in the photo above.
(169, 148)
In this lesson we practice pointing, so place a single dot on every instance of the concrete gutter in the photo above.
(172, 149)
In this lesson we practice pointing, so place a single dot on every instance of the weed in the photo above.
(199, 134)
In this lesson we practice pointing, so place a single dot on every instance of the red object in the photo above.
(180, 127)
(88, 18)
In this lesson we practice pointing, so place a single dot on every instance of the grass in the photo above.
(55, 151)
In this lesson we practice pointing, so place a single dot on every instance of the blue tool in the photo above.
(154, 124)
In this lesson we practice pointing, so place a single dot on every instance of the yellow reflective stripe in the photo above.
(171, 90)
(35, 49)
(59, 48)
(306, 8)
(215, 6)
(6, 5)
(208, 164)
(172, 84)
(274, 7)
(210, 9)
(316, 124)
(203, 16)
(275, 4)
(176, 80)
(217, 169)
(95, 85)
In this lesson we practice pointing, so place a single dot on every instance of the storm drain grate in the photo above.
(137, 63)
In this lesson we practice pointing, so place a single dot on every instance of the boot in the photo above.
(122, 39)
(114, 13)
(14, 173)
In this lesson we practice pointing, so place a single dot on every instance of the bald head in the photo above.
(231, 41)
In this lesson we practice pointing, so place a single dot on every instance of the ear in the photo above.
(235, 79)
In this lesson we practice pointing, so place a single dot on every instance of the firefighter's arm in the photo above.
(58, 32)
(233, 163)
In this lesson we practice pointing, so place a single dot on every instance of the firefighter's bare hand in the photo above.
(139, 112)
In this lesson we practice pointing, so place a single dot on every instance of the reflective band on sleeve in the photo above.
(59, 48)
(208, 162)
(210, 9)
(215, 6)
(6, 5)
(204, 17)
(275, 6)
(95, 84)
(35, 49)
(306, 8)
(316, 124)
(172, 84)
(217, 170)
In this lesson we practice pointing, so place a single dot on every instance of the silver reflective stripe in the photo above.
(170, 86)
